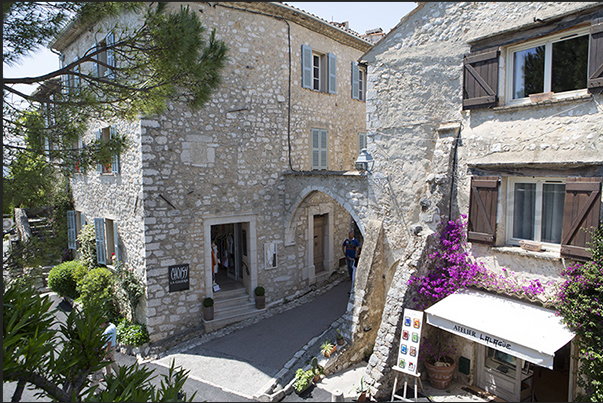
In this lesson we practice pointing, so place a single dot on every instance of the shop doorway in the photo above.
(230, 262)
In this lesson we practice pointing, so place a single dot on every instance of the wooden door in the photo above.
(319, 242)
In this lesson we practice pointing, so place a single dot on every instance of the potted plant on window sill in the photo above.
(303, 380)
(260, 297)
(437, 355)
(327, 348)
(208, 308)
(317, 369)
(340, 340)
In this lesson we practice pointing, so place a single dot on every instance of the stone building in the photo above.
(494, 111)
(237, 195)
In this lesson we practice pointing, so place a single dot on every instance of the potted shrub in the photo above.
(340, 339)
(327, 348)
(317, 370)
(208, 308)
(361, 390)
(260, 297)
(437, 355)
(303, 380)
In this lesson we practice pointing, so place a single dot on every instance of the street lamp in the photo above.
(365, 162)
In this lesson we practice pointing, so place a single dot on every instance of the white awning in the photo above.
(517, 328)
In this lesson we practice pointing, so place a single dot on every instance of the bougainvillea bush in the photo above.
(581, 309)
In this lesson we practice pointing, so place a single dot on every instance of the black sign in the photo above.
(178, 277)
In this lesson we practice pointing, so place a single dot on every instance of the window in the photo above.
(319, 149)
(565, 64)
(107, 241)
(105, 134)
(554, 211)
(106, 58)
(535, 209)
(358, 82)
(361, 142)
(75, 222)
(558, 64)
(319, 70)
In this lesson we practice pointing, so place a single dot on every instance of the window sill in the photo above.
(559, 101)
(547, 254)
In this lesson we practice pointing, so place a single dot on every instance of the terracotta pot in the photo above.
(340, 341)
(440, 377)
(361, 397)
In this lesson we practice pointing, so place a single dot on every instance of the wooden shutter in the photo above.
(480, 79)
(115, 243)
(110, 73)
(483, 202)
(580, 212)
(71, 231)
(332, 66)
(99, 231)
(355, 81)
(361, 142)
(306, 66)
(595, 62)
(319, 149)
(114, 158)
(323, 149)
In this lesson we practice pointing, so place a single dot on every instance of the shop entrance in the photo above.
(230, 263)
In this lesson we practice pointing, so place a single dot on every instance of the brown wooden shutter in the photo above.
(483, 202)
(580, 212)
(595, 62)
(480, 79)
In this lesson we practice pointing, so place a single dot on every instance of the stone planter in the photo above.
(260, 301)
(441, 376)
(208, 312)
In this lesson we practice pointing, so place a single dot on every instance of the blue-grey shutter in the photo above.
(355, 81)
(361, 142)
(71, 231)
(306, 66)
(323, 149)
(315, 149)
(110, 55)
(95, 68)
(99, 166)
(64, 77)
(76, 78)
(332, 65)
(83, 218)
(114, 158)
(99, 231)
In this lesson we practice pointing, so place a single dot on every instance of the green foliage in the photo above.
(29, 182)
(87, 246)
(130, 289)
(326, 348)
(581, 310)
(303, 379)
(208, 302)
(132, 334)
(97, 291)
(59, 362)
(259, 291)
(62, 281)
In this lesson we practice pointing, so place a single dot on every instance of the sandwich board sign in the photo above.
(410, 340)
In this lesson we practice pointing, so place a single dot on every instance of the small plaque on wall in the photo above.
(178, 277)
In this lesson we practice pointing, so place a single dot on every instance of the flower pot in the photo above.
(361, 397)
(340, 341)
(440, 376)
(260, 301)
(208, 312)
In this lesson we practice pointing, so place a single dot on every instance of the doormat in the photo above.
(483, 394)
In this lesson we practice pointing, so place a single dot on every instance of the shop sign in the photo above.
(178, 277)
(410, 339)
(483, 338)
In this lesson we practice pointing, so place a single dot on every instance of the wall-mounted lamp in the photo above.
(365, 162)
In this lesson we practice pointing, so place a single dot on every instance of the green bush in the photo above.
(87, 246)
(97, 290)
(132, 334)
(62, 281)
(79, 271)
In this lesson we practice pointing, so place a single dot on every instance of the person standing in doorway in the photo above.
(350, 248)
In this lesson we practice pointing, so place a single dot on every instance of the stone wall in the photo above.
(422, 172)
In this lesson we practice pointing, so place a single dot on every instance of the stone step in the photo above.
(224, 316)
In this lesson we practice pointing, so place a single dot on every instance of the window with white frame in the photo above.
(106, 58)
(535, 209)
(557, 64)
(319, 70)
(320, 149)
(107, 241)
